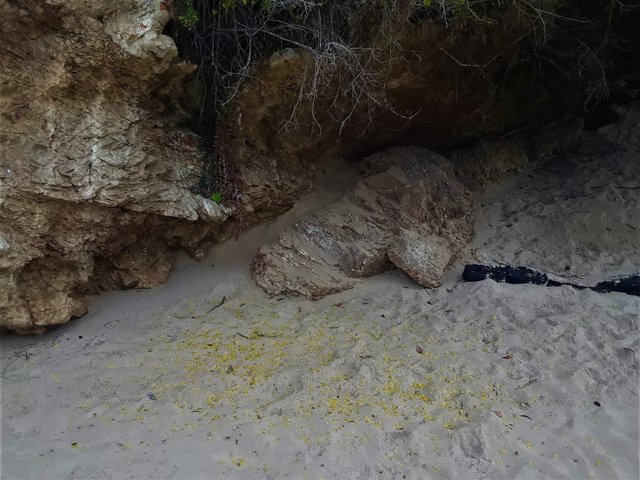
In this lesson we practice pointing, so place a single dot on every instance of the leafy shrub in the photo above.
(190, 16)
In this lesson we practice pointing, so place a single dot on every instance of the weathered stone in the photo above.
(97, 168)
(487, 161)
(422, 258)
(413, 192)
(287, 268)
(95, 171)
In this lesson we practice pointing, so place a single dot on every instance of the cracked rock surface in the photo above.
(95, 172)
(410, 211)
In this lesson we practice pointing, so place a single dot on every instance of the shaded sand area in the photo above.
(209, 377)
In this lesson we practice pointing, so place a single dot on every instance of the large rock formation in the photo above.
(98, 167)
(96, 171)
(411, 211)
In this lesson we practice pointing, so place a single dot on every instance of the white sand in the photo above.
(287, 388)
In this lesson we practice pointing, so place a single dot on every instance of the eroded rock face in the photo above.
(96, 171)
(411, 211)
(422, 258)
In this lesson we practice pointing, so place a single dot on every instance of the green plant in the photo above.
(190, 17)
(217, 197)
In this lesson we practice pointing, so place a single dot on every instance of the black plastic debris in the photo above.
(523, 275)
(629, 285)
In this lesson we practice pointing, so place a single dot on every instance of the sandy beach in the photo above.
(209, 377)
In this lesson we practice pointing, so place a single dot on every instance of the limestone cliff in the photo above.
(95, 172)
